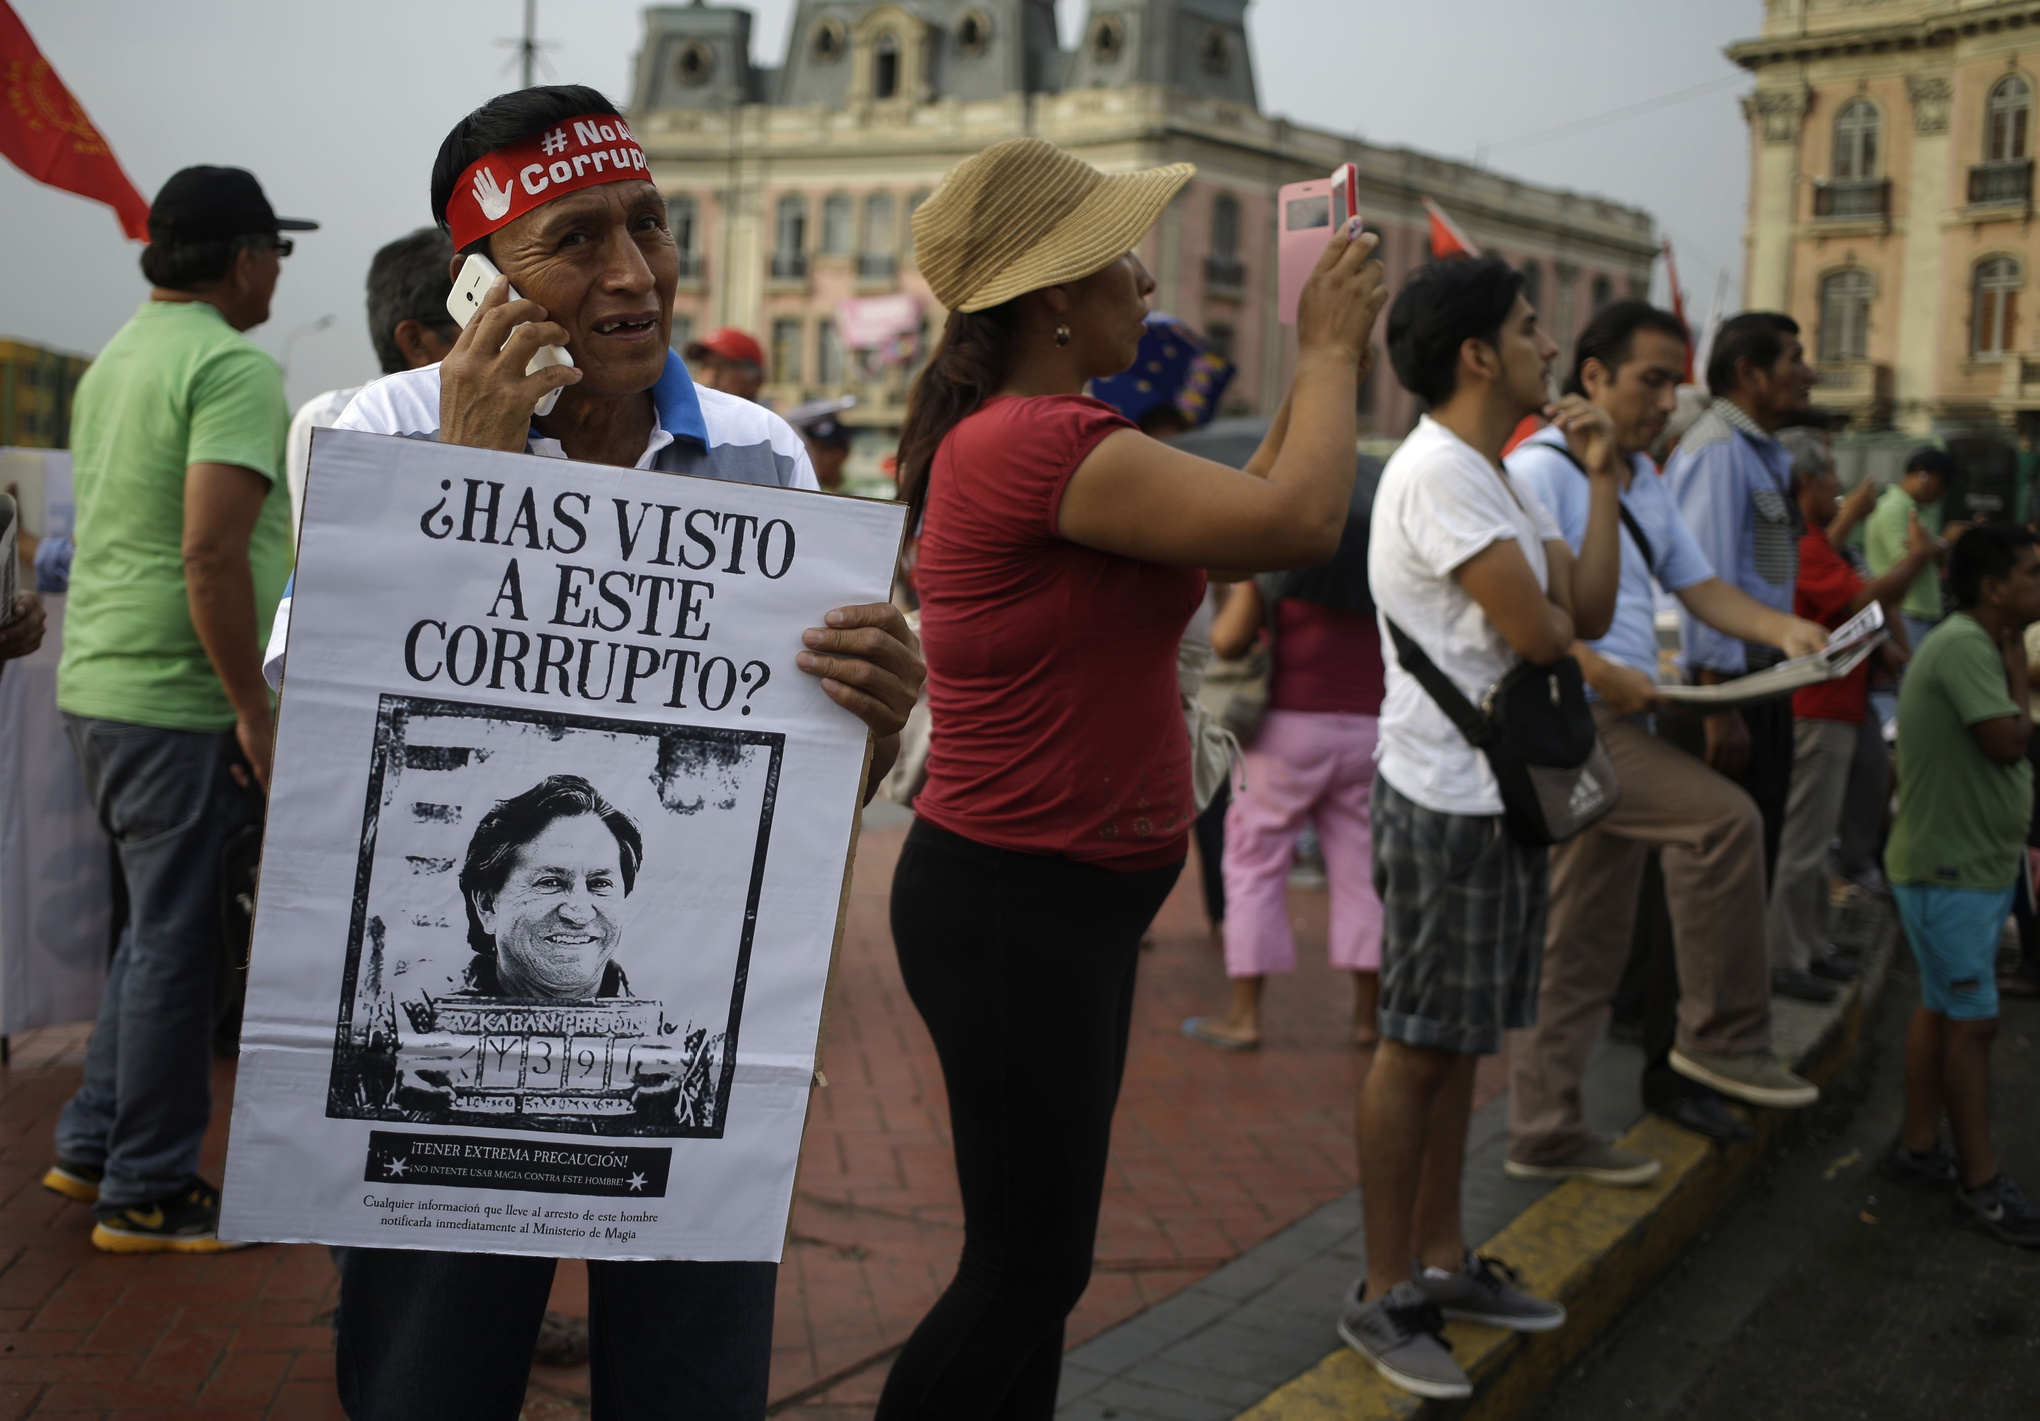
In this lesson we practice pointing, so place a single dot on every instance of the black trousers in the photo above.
(427, 1336)
(1769, 781)
(1023, 968)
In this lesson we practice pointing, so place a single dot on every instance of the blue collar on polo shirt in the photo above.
(678, 408)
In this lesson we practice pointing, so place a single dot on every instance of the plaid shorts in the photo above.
(1462, 938)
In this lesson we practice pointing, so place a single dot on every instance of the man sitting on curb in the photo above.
(1628, 361)
(1964, 792)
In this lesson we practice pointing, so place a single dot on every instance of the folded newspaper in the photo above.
(1847, 648)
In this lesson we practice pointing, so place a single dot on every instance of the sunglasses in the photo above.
(282, 246)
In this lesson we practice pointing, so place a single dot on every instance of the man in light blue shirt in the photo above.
(1628, 361)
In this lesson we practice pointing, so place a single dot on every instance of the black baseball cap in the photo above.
(829, 432)
(205, 204)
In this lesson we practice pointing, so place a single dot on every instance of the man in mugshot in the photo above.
(544, 1028)
(545, 879)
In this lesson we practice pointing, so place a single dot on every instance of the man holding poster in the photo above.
(556, 915)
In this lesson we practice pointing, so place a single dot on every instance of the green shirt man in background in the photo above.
(1965, 792)
(1926, 478)
(183, 546)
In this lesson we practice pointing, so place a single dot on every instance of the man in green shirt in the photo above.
(1927, 472)
(1957, 848)
(183, 545)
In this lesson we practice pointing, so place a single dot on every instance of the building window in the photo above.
(695, 63)
(913, 205)
(1223, 268)
(1604, 292)
(1108, 39)
(1994, 320)
(683, 330)
(1845, 316)
(789, 247)
(1215, 52)
(1533, 284)
(786, 351)
(1219, 336)
(885, 68)
(1856, 129)
(828, 355)
(876, 245)
(973, 32)
(2005, 120)
(831, 38)
(680, 221)
(836, 223)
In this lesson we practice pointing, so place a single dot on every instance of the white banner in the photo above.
(556, 852)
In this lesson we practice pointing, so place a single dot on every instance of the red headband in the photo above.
(502, 186)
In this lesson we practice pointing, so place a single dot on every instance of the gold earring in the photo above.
(1062, 336)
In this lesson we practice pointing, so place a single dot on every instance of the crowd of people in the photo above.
(1061, 551)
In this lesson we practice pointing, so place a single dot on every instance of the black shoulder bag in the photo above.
(1538, 734)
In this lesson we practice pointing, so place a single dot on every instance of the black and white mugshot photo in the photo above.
(552, 921)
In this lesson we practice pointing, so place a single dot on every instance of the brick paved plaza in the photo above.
(1213, 1152)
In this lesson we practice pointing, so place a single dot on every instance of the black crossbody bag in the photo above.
(1537, 732)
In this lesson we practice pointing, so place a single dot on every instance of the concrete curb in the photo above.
(1590, 1247)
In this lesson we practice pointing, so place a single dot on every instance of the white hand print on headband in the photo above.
(494, 200)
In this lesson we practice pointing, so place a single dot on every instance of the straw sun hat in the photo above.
(1023, 214)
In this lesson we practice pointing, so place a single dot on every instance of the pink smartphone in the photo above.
(1306, 215)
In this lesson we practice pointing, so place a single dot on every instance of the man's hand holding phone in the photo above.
(486, 399)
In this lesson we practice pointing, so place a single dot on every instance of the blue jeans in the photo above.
(427, 1336)
(168, 801)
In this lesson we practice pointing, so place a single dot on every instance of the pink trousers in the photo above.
(1303, 765)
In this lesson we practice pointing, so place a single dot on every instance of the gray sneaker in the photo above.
(1488, 1290)
(1401, 1333)
(2000, 1207)
(1753, 1077)
(1597, 1161)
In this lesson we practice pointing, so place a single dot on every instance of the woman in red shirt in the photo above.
(1060, 557)
(1310, 761)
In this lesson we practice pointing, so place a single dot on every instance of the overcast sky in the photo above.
(340, 108)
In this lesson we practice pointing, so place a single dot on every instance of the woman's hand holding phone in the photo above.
(485, 398)
(1343, 299)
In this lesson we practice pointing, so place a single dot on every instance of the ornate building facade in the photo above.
(1891, 204)
(790, 189)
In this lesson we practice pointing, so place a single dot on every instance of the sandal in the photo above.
(1196, 1030)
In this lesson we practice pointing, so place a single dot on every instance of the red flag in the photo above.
(1446, 238)
(46, 134)
(1678, 303)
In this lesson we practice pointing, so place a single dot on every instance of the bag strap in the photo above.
(1477, 728)
(1628, 518)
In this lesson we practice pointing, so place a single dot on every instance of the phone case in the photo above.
(1306, 215)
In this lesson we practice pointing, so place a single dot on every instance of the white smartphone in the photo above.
(476, 277)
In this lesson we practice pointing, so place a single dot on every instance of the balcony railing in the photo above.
(693, 266)
(876, 266)
(1225, 273)
(789, 266)
(1851, 384)
(2002, 184)
(1852, 199)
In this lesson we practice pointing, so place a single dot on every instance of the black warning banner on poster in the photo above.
(526, 1165)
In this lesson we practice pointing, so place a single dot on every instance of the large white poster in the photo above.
(557, 845)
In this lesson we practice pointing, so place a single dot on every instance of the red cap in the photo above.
(728, 342)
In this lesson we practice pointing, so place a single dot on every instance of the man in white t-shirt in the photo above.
(1476, 572)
